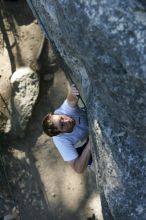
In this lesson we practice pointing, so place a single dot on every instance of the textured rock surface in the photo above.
(25, 90)
(103, 44)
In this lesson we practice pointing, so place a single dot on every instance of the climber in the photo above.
(69, 128)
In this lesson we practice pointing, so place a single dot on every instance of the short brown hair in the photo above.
(48, 127)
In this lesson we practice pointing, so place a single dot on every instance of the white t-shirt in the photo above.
(66, 142)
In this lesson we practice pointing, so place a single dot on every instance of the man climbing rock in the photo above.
(69, 128)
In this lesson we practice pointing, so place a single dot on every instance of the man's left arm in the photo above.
(81, 162)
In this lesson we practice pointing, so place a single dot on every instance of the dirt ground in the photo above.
(35, 183)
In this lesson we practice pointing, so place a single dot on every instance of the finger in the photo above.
(76, 92)
(73, 86)
(74, 89)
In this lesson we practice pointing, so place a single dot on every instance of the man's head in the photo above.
(54, 124)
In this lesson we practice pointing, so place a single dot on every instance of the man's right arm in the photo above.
(73, 96)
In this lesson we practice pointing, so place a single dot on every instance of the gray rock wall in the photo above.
(103, 43)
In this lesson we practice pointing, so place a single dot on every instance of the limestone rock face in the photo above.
(103, 44)
(25, 90)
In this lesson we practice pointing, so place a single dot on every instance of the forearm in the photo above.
(80, 163)
(72, 96)
(71, 100)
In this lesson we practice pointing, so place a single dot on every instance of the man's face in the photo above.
(64, 123)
